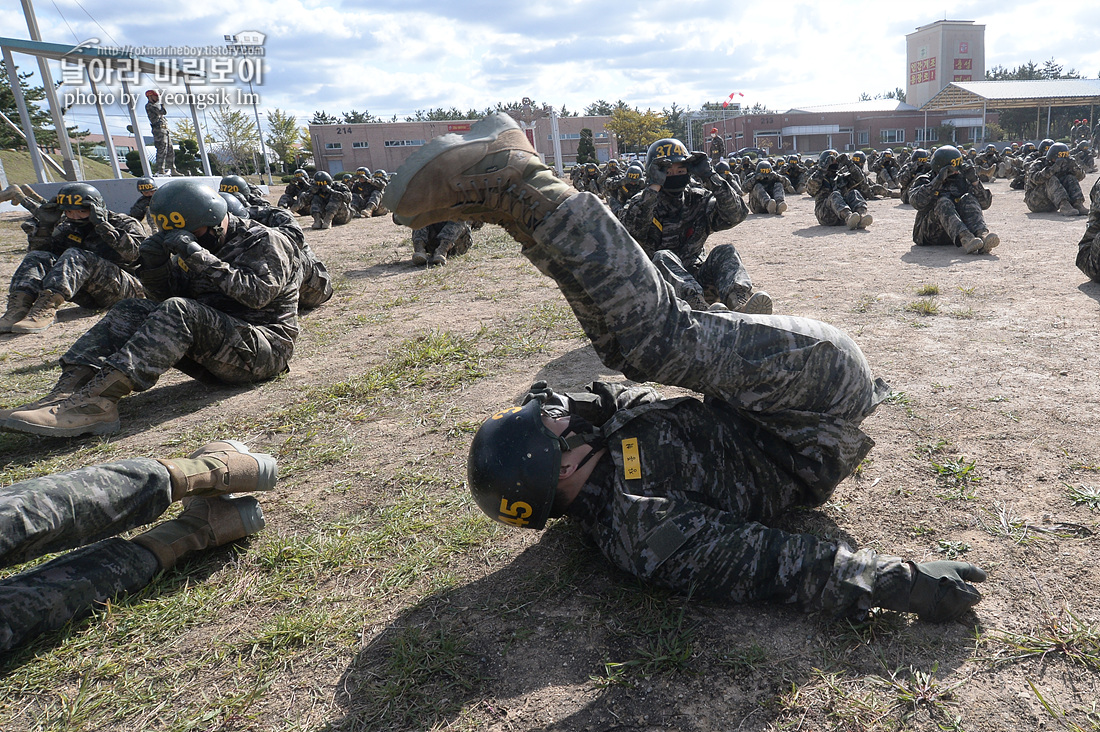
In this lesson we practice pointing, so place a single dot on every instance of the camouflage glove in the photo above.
(657, 172)
(940, 591)
(698, 164)
(181, 243)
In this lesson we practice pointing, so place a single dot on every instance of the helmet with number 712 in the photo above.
(77, 197)
(188, 205)
(513, 466)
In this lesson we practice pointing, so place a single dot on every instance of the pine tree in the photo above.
(586, 148)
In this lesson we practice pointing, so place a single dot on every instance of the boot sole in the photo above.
(485, 130)
(103, 428)
(251, 513)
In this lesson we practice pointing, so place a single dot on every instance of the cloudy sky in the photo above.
(396, 56)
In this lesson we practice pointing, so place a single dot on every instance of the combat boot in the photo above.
(41, 315)
(750, 303)
(865, 219)
(204, 523)
(91, 410)
(317, 221)
(32, 195)
(12, 193)
(1082, 207)
(780, 207)
(420, 254)
(851, 218)
(439, 256)
(226, 466)
(770, 206)
(489, 174)
(326, 219)
(19, 304)
(989, 241)
(971, 244)
(72, 379)
(1068, 209)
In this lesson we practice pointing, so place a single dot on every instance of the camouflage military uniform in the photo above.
(764, 187)
(316, 286)
(779, 427)
(294, 190)
(89, 264)
(798, 175)
(59, 512)
(623, 187)
(835, 191)
(908, 173)
(886, 169)
(229, 314)
(450, 238)
(1088, 249)
(332, 202)
(673, 229)
(949, 212)
(717, 148)
(1049, 186)
(140, 211)
(162, 138)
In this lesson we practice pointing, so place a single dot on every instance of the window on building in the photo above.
(403, 143)
(864, 138)
(893, 135)
(334, 146)
(928, 134)
(567, 136)
(359, 144)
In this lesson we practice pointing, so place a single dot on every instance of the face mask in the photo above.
(676, 183)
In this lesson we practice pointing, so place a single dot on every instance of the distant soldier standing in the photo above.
(717, 146)
(158, 120)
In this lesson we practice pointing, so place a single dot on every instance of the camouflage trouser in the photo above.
(803, 381)
(286, 201)
(454, 238)
(830, 209)
(374, 206)
(761, 194)
(78, 275)
(721, 276)
(304, 204)
(59, 512)
(948, 221)
(1088, 259)
(886, 178)
(166, 154)
(337, 206)
(143, 339)
(1052, 194)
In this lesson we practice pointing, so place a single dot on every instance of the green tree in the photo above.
(600, 108)
(236, 137)
(133, 163)
(354, 117)
(184, 130)
(635, 130)
(283, 136)
(187, 156)
(675, 121)
(323, 118)
(41, 120)
(586, 148)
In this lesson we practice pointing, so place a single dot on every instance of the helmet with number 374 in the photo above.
(187, 204)
(668, 148)
(513, 466)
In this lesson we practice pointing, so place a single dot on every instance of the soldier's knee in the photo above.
(666, 258)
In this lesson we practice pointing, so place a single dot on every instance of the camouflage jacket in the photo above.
(253, 276)
(824, 182)
(925, 189)
(116, 240)
(337, 190)
(1088, 249)
(140, 208)
(681, 223)
(1041, 170)
(157, 114)
(296, 188)
(680, 496)
(717, 147)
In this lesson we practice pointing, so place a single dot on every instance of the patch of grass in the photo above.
(1084, 495)
(1004, 523)
(742, 661)
(1064, 635)
(916, 690)
(865, 303)
(901, 399)
(923, 308)
(1089, 723)
(957, 476)
(952, 549)
(967, 314)
(663, 642)
(928, 290)
(968, 291)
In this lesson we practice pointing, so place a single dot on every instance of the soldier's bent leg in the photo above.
(110, 334)
(103, 283)
(686, 287)
(1055, 192)
(65, 510)
(723, 276)
(47, 597)
(945, 212)
(31, 271)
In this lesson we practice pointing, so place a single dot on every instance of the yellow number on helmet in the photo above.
(517, 514)
(177, 219)
(956, 162)
(1063, 154)
(505, 412)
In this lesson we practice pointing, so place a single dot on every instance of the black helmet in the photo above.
(763, 167)
(235, 206)
(722, 168)
(345, 177)
(146, 184)
(187, 204)
(859, 157)
(77, 197)
(667, 148)
(793, 159)
(233, 184)
(512, 469)
(322, 178)
(921, 155)
(365, 172)
(381, 174)
(991, 147)
(613, 164)
(300, 173)
(1058, 150)
(827, 158)
(1045, 145)
(947, 156)
(887, 153)
(1028, 147)
(635, 173)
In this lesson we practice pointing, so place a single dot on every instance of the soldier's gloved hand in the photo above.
(698, 164)
(151, 253)
(97, 213)
(940, 591)
(657, 172)
(545, 396)
(182, 243)
(971, 174)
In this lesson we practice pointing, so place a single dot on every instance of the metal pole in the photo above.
(47, 160)
(983, 121)
(138, 139)
(63, 141)
(1048, 121)
(198, 130)
(260, 132)
(103, 123)
(25, 118)
(555, 135)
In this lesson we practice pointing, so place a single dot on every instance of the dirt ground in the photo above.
(994, 421)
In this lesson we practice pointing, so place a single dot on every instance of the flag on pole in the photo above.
(730, 99)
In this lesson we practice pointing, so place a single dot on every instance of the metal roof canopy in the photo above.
(109, 58)
(1013, 94)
